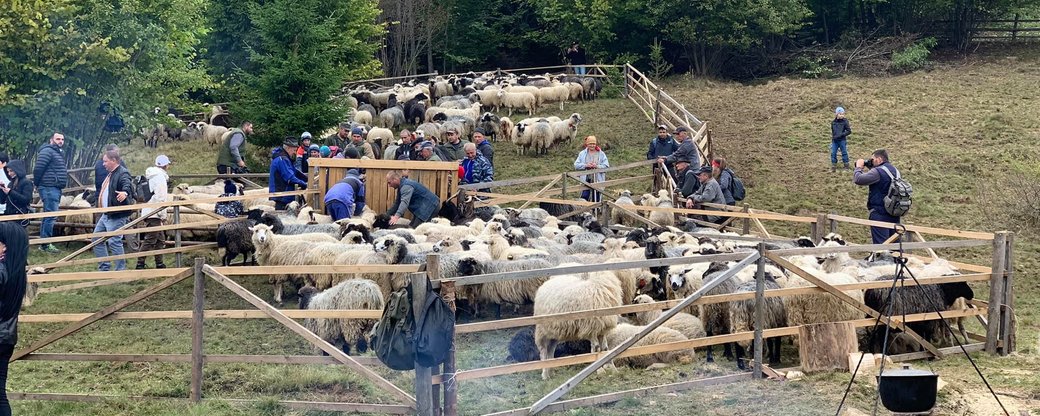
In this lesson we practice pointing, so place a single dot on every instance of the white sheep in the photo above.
(518, 100)
(570, 293)
(541, 135)
(818, 308)
(212, 134)
(362, 117)
(663, 200)
(282, 250)
(565, 130)
(356, 294)
(380, 133)
(660, 335)
(690, 326)
(309, 216)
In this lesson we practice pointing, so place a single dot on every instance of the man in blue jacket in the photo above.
(50, 177)
(411, 196)
(475, 167)
(346, 198)
(878, 179)
(283, 175)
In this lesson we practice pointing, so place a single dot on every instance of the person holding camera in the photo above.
(17, 193)
(229, 156)
(877, 173)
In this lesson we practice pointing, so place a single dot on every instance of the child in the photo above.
(229, 209)
(840, 131)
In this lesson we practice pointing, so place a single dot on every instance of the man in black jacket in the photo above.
(50, 177)
(116, 190)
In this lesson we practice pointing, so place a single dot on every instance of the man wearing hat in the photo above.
(710, 191)
(483, 146)
(453, 148)
(158, 178)
(840, 131)
(283, 176)
(687, 151)
(341, 137)
(358, 142)
(347, 197)
(427, 152)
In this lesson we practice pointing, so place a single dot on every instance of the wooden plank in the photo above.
(860, 248)
(384, 164)
(186, 358)
(98, 241)
(137, 297)
(581, 210)
(996, 292)
(541, 191)
(315, 269)
(918, 228)
(921, 239)
(128, 256)
(125, 231)
(759, 312)
(86, 285)
(122, 274)
(1007, 327)
(308, 335)
(198, 306)
(898, 358)
(212, 314)
(631, 214)
(761, 228)
(608, 357)
(855, 303)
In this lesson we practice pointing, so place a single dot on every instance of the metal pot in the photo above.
(907, 390)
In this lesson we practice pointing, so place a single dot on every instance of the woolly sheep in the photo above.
(918, 299)
(356, 294)
(362, 117)
(565, 130)
(660, 335)
(518, 100)
(742, 318)
(569, 293)
(392, 117)
(282, 250)
(505, 125)
(716, 316)
(818, 308)
(517, 292)
(541, 135)
(379, 133)
(235, 238)
(663, 200)
(523, 349)
(688, 325)
(212, 134)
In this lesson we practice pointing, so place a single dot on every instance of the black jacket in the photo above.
(21, 193)
(840, 129)
(12, 279)
(121, 182)
(50, 167)
(100, 173)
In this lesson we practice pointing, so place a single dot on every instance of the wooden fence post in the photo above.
(198, 303)
(746, 229)
(449, 386)
(996, 292)
(1014, 29)
(760, 312)
(833, 226)
(821, 226)
(1007, 327)
(711, 148)
(423, 375)
(563, 185)
(177, 233)
(626, 75)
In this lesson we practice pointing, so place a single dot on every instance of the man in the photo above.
(476, 167)
(303, 152)
(687, 151)
(411, 196)
(116, 190)
(50, 177)
(283, 176)
(341, 137)
(840, 131)
(157, 183)
(710, 191)
(685, 178)
(878, 180)
(4, 158)
(427, 153)
(346, 197)
(356, 141)
(229, 156)
(100, 173)
(453, 148)
(484, 146)
(406, 150)
(576, 57)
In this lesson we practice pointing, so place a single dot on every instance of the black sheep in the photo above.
(638, 236)
(916, 299)
(415, 109)
(523, 349)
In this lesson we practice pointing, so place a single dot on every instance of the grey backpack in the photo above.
(899, 197)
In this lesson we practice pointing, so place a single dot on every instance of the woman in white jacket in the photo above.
(157, 184)
(592, 157)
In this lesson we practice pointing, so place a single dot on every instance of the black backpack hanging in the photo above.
(393, 337)
(435, 330)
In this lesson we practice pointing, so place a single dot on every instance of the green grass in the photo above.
(957, 132)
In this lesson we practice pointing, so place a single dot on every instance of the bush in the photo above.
(913, 57)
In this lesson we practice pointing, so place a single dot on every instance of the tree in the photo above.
(305, 50)
(411, 27)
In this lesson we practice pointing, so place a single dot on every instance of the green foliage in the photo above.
(810, 67)
(914, 56)
(305, 50)
(659, 67)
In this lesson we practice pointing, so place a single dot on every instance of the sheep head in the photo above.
(469, 266)
(261, 234)
(833, 237)
(394, 246)
(803, 241)
(306, 294)
(354, 237)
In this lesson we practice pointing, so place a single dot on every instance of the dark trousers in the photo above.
(590, 195)
(337, 210)
(155, 240)
(280, 206)
(6, 350)
(879, 234)
(223, 169)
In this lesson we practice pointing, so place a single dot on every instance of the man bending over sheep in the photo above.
(414, 197)
(346, 197)
(475, 167)
(283, 176)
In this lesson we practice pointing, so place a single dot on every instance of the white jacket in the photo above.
(157, 178)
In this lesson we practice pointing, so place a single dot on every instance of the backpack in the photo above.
(393, 338)
(435, 330)
(737, 187)
(898, 199)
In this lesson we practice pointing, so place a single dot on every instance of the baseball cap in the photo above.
(704, 169)
(453, 130)
(681, 128)
(426, 145)
(839, 110)
(306, 135)
(662, 127)
(356, 131)
(162, 160)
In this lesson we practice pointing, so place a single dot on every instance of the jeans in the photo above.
(842, 145)
(50, 197)
(879, 234)
(6, 350)
(579, 70)
(113, 246)
(337, 210)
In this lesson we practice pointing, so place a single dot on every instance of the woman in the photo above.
(592, 157)
(18, 193)
(720, 171)
(14, 249)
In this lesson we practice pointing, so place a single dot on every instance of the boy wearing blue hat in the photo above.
(840, 131)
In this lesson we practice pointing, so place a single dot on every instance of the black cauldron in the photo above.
(907, 390)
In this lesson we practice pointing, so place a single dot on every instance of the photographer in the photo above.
(871, 173)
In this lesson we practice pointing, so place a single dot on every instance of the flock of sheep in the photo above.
(506, 240)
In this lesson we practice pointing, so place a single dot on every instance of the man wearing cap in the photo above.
(427, 152)
(341, 137)
(710, 191)
(116, 190)
(661, 146)
(475, 167)
(411, 196)
(687, 151)
(406, 151)
(157, 185)
(840, 131)
(346, 198)
(303, 152)
(229, 157)
(453, 148)
(484, 146)
(356, 141)
(283, 176)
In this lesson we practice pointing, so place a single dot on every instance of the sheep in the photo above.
(518, 100)
(356, 294)
(235, 238)
(280, 225)
(307, 215)
(565, 130)
(218, 116)
(209, 191)
(212, 134)
(380, 135)
(688, 325)
(78, 202)
(742, 319)
(716, 316)
(326, 254)
(523, 349)
(613, 249)
(488, 99)
(280, 250)
(660, 335)
(505, 126)
(821, 307)
(569, 293)
(415, 109)
(362, 117)
(541, 136)
(662, 200)
(392, 117)
(521, 137)
(917, 299)
(624, 200)
(517, 292)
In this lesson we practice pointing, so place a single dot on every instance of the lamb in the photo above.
(688, 325)
(362, 117)
(517, 292)
(281, 250)
(518, 100)
(356, 294)
(523, 349)
(660, 335)
(569, 293)
(742, 318)
(663, 200)
(235, 238)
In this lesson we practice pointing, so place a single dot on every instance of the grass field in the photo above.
(964, 133)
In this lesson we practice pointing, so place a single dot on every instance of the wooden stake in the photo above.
(423, 375)
(177, 235)
(996, 292)
(199, 304)
(760, 312)
(1007, 326)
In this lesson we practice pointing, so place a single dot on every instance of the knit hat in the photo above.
(479, 130)
(314, 147)
(839, 110)
(162, 161)
(325, 151)
(290, 141)
(230, 187)
(357, 131)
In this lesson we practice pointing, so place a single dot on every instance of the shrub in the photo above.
(913, 57)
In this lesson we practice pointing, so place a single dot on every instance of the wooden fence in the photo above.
(660, 108)
(439, 177)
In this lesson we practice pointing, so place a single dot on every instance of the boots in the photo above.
(847, 166)
(140, 265)
(834, 167)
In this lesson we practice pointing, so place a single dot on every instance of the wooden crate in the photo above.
(439, 177)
